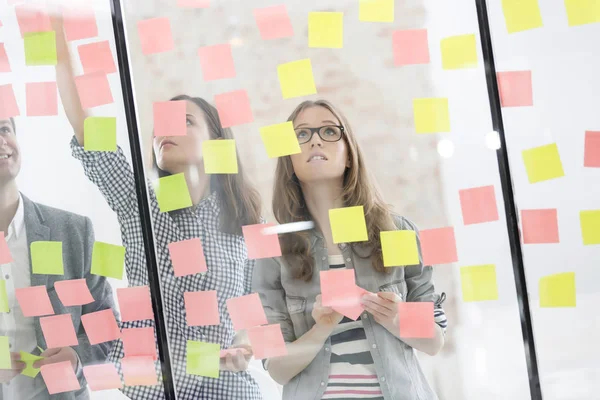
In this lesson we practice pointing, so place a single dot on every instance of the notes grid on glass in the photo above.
(108, 260)
(139, 342)
(543, 163)
(217, 62)
(59, 331)
(170, 118)
(220, 156)
(459, 52)
(296, 79)
(8, 102)
(326, 30)
(432, 115)
(135, 303)
(590, 227)
(42, 99)
(280, 140)
(102, 377)
(47, 258)
(139, 371)
(515, 88)
(60, 377)
(97, 57)
(478, 205)
(340, 292)
(540, 226)
(187, 257)
(479, 283)
(438, 246)
(94, 90)
(399, 248)
(348, 224)
(273, 22)
(40, 48)
(410, 47)
(376, 10)
(591, 158)
(202, 359)
(155, 35)
(202, 308)
(261, 245)
(34, 301)
(172, 193)
(234, 108)
(521, 15)
(416, 319)
(101, 326)
(100, 134)
(246, 311)
(267, 341)
(4, 62)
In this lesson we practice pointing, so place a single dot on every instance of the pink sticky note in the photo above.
(155, 35)
(59, 331)
(139, 342)
(80, 21)
(101, 326)
(246, 311)
(416, 320)
(60, 377)
(135, 303)
(170, 118)
(139, 371)
(515, 88)
(478, 205)
(233, 352)
(339, 291)
(5, 256)
(438, 246)
(34, 301)
(42, 99)
(202, 308)
(410, 47)
(8, 102)
(217, 62)
(32, 20)
(93, 89)
(97, 57)
(102, 377)
(4, 63)
(591, 156)
(234, 108)
(260, 245)
(273, 22)
(540, 226)
(193, 3)
(74, 292)
(187, 257)
(267, 341)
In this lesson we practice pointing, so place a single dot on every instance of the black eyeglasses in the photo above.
(327, 133)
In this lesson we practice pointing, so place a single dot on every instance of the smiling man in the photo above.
(23, 222)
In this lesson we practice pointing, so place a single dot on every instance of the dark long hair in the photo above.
(240, 202)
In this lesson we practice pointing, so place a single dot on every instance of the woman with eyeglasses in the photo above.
(329, 355)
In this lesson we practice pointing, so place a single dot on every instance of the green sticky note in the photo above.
(29, 359)
(47, 258)
(3, 297)
(100, 134)
(5, 353)
(172, 193)
(40, 48)
(108, 260)
(203, 359)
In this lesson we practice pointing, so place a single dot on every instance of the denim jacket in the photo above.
(289, 302)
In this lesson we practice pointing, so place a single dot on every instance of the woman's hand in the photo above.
(325, 316)
(238, 362)
(60, 354)
(384, 308)
(17, 366)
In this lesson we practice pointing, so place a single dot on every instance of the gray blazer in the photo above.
(77, 236)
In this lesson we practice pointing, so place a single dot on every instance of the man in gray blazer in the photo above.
(24, 222)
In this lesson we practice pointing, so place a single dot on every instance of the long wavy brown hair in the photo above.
(239, 200)
(359, 189)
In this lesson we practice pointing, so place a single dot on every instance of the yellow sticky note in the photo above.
(29, 359)
(399, 248)
(558, 290)
(220, 156)
(376, 10)
(280, 139)
(3, 297)
(581, 12)
(40, 48)
(590, 226)
(47, 258)
(5, 362)
(108, 260)
(348, 224)
(100, 134)
(459, 52)
(172, 193)
(543, 163)
(431, 115)
(203, 359)
(326, 29)
(521, 15)
(479, 283)
(296, 79)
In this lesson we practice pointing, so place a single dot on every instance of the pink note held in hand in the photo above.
(101, 326)
(94, 90)
(60, 377)
(416, 320)
(34, 301)
(478, 205)
(246, 311)
(410, 47)
(170, 118)
(4, 63)
(187, 257)
(79, 21)
(73, 292)
(202, 308)
(273, 22)
(102, 377)
(540, 226)
(139, 342)
(234, 108)
(31, 19)
(97, 57)
(42, 99)
(438, 246)
(155, 35)
(217, 62)
(59, 331)
(139, 371)
(5, 256)
(135, 303)
(8, 102)
(267, 341)
(259, 244)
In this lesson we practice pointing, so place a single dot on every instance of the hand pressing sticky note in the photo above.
(217, 62)
(79, 21)
(348, 224)
(108, 260)
(135, 303)
(34, 301)
(273, 22)
(591, 157)
(326, 30)
(58, 331)
(8, 102)
(29, 359)
(40, 48)
(399, 248)
(234, 108)
(540, 226)
(170, 118)
(558, 290)
(139, 371)
(93, 90)
(479, 283)
(172, 193)
(478, 205)
(5, 360)
(410, 47)
(431, 115)
(261, 245)
(47, 258)
(202, 308)
(220, 156)
(97, 57)
(42, 99)
(280, 139)
(416, 320)
(202, 359)
(60, 377)
(4, 63)
(581, 12)
(521, 15)
(155, 35)
(590, 226)
(100, 134)
(5, 256)
(102, 377)
(438, 246)
(101, 326)
(246, 311)
(267, 341)
(459, 52)
(187, 257)
(376, 10)
(296, 79)
(543, 163)
(4, 305)
(139, 342)
(515, 88)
